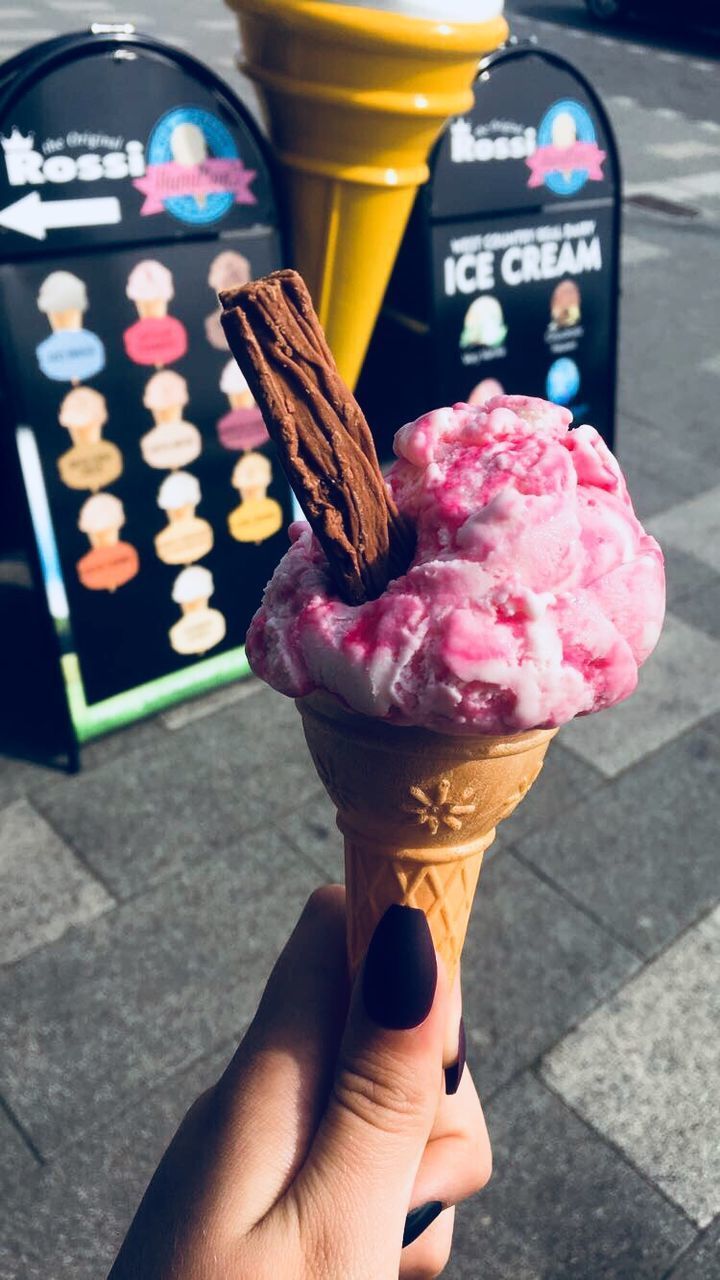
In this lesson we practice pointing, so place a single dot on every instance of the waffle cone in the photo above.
(417, 810)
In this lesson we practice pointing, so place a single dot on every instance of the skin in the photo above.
(303, 1160)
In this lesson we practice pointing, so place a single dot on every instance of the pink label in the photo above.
(242, 429)
(167, 181)
(155, 340)
(550, 159)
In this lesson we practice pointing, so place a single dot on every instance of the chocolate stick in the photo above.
(323, 440)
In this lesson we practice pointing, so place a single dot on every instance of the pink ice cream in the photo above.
(534, 594)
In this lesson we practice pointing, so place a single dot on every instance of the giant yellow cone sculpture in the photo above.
(355, 97)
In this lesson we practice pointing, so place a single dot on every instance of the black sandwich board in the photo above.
(133, 186)
(507, 278)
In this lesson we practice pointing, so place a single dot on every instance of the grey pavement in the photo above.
(142, 902)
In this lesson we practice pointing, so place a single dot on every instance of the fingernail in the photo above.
(453, 1074)
(400, 973)
(418, 1220)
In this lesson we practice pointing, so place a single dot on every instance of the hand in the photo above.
(331, 1122)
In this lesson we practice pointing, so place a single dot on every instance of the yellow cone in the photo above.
(355, 99)
(417, 810)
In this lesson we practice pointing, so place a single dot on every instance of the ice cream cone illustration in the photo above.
(63, 299)
(155, 338)
(188, 147)
(565, 305)
(417, 811)
(564, 136)
(243, 426)
(173, 442)
(187, 537)
(257, 517)
(200, 628)
(166, 395)
(355, 97)
(150, 286)
(70, 353)
(110, 563)
(484, 324)
(228, 270)
(91, 463)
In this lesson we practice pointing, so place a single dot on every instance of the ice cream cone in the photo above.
(417, 810)
(355, 98)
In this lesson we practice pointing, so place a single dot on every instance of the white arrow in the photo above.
(31, 217)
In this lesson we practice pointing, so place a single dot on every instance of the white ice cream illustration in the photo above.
(150, 286)
(200, 627)
(484, 324)
(188, 147)
(186, 537)
(63, 299)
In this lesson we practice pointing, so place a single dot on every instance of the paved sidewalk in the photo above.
(146, 898)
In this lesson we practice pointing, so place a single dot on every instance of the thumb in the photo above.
(356, 1185)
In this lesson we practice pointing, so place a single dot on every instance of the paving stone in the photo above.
(685, 574)
(17, 1161)
(146, 735)
(149, 813)
(660, 472)
(642, 854)
(694, 527)
(701, 609)
(312, 829)
(533, 964)
(44, 889)
(198, 708)
(68, 1219)
(700, 1262)
(644, 1071)
(19, 777)
(561, 1204)
(95, 1019)
(679, 685)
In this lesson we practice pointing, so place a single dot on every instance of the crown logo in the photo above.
(17, 142)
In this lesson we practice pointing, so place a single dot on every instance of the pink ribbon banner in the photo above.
(215, 176)
(549, 159)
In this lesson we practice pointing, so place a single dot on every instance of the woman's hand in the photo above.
(331, 1122)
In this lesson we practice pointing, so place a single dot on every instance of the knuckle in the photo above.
(321, 901)
(479, 1163)
(381, 1090)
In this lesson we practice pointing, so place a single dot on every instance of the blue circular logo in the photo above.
(562, 127)
(563, 381)
(185, 137)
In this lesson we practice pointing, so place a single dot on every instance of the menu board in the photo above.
(507, 278)
(158, 506)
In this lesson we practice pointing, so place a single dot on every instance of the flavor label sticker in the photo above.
(184, 540)
(107, 568)
(171, 445)
(155, 340)
(193, 169)
(198, 632)
(72, 355)
(91, 466)
(242, 429)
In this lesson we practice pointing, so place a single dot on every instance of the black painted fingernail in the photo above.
(453, 1074)
(400, 973)
(418, 1220)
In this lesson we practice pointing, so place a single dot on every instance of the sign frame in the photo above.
(27, 520)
